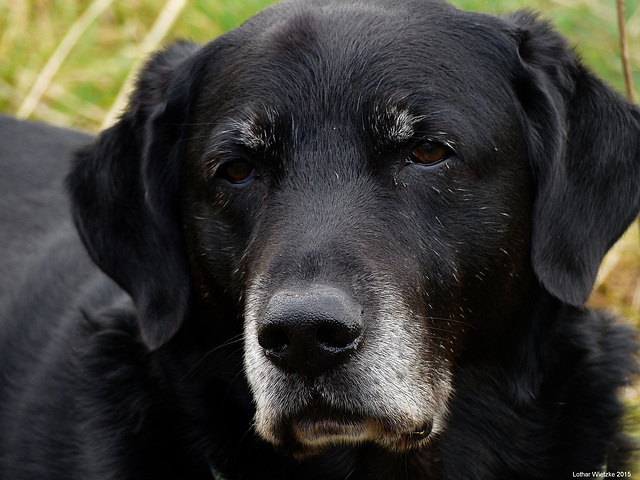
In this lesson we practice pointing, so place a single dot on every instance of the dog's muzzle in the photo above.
(326, 370)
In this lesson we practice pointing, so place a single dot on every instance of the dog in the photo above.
(346, 240)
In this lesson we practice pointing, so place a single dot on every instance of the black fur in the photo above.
(339, 310)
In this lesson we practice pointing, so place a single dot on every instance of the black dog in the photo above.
(356, 239)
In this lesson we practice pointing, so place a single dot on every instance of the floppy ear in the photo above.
(584, 147)
(124, 191)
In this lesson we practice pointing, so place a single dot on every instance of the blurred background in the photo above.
(71, 63)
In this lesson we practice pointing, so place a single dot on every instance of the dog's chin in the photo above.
(305, 436)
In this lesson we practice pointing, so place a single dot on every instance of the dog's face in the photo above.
(361, 186)
(377, 189)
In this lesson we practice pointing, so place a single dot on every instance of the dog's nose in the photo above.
(310, 332)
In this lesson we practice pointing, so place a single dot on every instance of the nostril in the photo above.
(335, 336)
(274, 339)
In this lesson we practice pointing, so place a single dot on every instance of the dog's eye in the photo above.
(237, 172)
(430, 153)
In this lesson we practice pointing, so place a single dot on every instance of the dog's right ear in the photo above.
(583, 141)
(124, 190)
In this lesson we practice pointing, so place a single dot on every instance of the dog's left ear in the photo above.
(583, 141)
(124, 192)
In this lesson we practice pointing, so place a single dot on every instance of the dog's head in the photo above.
(375, 187)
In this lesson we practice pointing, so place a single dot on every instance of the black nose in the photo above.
(311, 331)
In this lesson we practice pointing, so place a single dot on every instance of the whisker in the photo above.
(235, 339)
(443, 319)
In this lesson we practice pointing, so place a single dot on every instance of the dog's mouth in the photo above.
(307, 434)
(321, 432)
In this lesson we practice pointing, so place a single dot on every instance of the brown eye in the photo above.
(430, 153)
(237, 172)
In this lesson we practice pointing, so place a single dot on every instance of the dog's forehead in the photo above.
(342, 36)
(341, 42)
(383, 62)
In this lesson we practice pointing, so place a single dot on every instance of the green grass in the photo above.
(98, 69)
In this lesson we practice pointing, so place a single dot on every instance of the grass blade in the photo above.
(165, 20)
(59, 55)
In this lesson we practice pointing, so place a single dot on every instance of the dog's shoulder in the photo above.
(34, 158)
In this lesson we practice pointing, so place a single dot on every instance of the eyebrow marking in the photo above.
(257, 129)
(393, 123)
